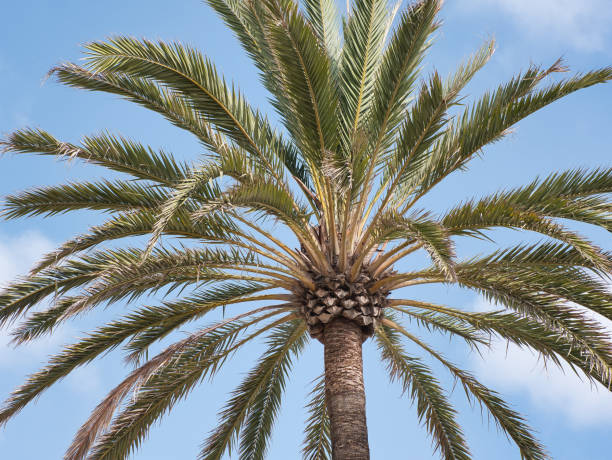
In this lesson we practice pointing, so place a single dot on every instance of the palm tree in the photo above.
(365, 138)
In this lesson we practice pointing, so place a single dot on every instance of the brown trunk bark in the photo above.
(344, 391)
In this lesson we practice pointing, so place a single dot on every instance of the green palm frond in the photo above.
(175, 108)
(361, 57)
(115, 153)
(550, 284)
(433, 408)
(142, 91)
(250, 22)
(323, 17)
(254, 403)
(508, 420)
(429, 114)
(423, 232)
(126, 276)
(166, 386)
(422, 126)
(197, 305)
(573, 194)
(441, 322)
(398, 73)
(109, 196)
(113, 275)
(492, 117)
(547, 254)
(23, 294)
(306, 71)
(100, 341)
(317, 442)
(524, 332)
(473, 221)
(194, 77)
(257, 428)
(162, 319)
(213, 228)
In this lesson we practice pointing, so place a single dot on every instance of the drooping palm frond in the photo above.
(317, 443)
(433, 407)
(255, 402)
(364, 137)
(507, 419)
(523, 332)
(168, 385)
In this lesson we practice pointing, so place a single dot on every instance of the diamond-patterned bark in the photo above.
(337, 296)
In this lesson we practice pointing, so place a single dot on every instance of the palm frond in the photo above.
(306, 71)
(524, 332)
(165, 386)
(115, 153)
(441, 322)
(572, 194)
(508, 420)
(187, 72)
(428, 116)
(492, 117)
(323, 17)
(258, 425)
(424, 232)
(110, 336)
(433, 408)
(144, 92)
(121, 274)
(250, 22)
(317, 442)
(105, 195)
(545, 299)
(423, 125)
(398, 72)
(212, 228)
(254, 403)
(361, 56)
(556, 283)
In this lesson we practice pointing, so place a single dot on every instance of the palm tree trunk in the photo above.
(344, 391)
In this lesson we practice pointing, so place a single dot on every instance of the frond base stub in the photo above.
(338, 297)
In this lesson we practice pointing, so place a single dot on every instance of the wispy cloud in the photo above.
(583, 24)
(510, 369)
(17, 255)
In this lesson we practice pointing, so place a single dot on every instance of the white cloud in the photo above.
(17, 256)
(516, 370)
(19, 253)
(582, 24)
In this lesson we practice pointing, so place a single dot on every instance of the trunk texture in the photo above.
(344, 391)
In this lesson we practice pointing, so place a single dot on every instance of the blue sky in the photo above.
(572, 420)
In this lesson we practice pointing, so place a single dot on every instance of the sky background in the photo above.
(572, 419)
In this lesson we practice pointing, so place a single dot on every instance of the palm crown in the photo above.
(365, 138)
